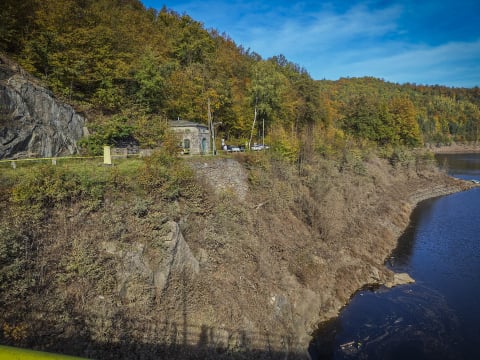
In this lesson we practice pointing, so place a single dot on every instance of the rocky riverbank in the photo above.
(456, 148)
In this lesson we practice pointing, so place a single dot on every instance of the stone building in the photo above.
(194, 138)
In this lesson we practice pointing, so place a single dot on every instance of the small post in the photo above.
(54, 161)
(107, 157)
(14, 165)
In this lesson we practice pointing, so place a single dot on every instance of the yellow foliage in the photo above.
(285, 143)
(15, 332)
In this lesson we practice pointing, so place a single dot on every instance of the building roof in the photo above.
(185, 123)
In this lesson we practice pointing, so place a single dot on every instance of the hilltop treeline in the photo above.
(129, 68)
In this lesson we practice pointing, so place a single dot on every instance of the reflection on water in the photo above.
(464, 166)
(438, 316)
(386, 325)
(400, 257)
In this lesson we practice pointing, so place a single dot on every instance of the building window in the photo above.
(186, 143)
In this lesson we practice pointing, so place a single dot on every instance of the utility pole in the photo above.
(253, 126)
(263, 133)
(212, 128)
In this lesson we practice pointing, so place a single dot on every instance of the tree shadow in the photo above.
(177, 342)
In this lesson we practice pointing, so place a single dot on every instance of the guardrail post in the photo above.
(14, 165)
(54, 161)
(107, 157)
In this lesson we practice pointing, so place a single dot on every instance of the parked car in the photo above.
(258, 147)
(235, 148)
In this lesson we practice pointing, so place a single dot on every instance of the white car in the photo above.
(233, 148)
(258, 147)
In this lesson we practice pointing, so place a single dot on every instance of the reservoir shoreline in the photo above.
(437, 186)
(439, 249)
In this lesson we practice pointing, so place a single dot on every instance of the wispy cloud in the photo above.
(323, 31)
(452, 64)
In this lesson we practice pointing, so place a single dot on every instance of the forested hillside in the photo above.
(129, 68)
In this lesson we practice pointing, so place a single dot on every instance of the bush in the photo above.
(15, 264)
(47, 186)
(109, 133)
(398, 155)
(164, 174)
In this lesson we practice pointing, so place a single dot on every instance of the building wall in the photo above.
(199, 138)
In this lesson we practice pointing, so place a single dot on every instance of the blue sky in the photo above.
(418, 41)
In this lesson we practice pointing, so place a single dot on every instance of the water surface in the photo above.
(438, 317)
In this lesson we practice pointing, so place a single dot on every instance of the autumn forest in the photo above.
(128, 69)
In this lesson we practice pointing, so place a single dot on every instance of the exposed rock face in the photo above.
(153, 262)
(224, 175)
(32, 121)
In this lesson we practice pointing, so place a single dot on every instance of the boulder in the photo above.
(399, 279)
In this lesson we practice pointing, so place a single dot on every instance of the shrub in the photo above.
(164, 174)
(47, 186)
(115, 130)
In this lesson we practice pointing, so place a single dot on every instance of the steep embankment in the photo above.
(313, 240)
(241, 260)
(32, 121)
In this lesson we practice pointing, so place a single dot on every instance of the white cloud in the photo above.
(453, 64)
(319, 32)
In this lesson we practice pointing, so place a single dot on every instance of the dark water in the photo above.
(438, 317)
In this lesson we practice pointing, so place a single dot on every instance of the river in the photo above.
(438, 317)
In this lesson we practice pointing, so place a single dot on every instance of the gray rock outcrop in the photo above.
(224, 176)
(32, 122)
(143, 264)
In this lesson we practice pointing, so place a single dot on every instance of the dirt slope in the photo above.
(246, 269)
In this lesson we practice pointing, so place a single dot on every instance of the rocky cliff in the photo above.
(32, 121)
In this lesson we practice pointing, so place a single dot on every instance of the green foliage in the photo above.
(107, 96)
(416, 114)
(267, 87)
(285, 144)
(15, 18)
(46, 186)
(369, 118)
(193, 44)
(165, 175)
(150, 130)
(151, 83)
(117, 129)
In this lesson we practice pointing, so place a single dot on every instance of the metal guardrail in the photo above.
(14, 162)
(109, 153)
(107, 157)
(50, 158)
